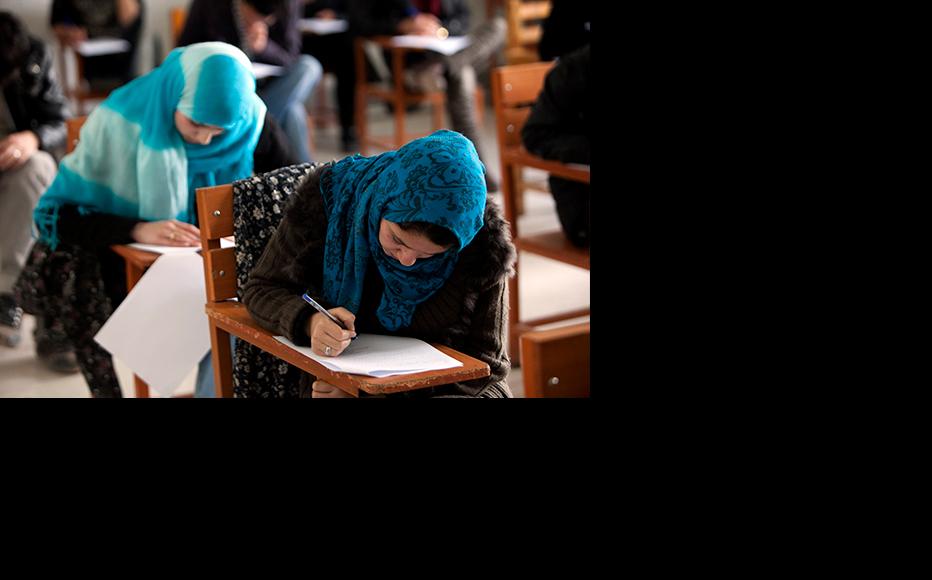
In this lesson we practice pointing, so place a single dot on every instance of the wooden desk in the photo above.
(235, 319)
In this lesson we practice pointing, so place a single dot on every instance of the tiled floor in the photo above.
(546, 286)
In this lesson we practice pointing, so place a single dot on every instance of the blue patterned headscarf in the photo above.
(131, 161)
(437, 179)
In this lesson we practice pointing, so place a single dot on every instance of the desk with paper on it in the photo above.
(263, 70)
(377, 355)
(323, 26)
(102, 46)
(445, 46)
(224, 243)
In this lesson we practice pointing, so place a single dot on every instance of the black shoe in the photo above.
(11, 319)
(61, 362)
(53, 349)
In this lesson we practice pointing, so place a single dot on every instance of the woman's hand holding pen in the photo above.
(327, 338)
(166, 233)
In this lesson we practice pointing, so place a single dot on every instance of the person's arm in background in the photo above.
(128, 11)
(94, 230)
(50, 108)
(39, 109)
(557, 126)
(129, 18)
(456, 21)
(67, 24)
(292, 259)
(284, 39)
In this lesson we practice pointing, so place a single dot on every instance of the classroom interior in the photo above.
(548, 287)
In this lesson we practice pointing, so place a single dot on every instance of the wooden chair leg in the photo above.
(222, 360)
(142, 388)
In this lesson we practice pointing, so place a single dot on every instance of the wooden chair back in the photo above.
(555, 363)
(514, 90)
(524, 18)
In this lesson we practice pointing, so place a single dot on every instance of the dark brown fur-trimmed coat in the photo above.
(468, 313)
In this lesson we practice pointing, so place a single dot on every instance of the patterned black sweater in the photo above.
(468, 313)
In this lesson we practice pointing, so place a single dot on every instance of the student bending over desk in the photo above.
(194, 121)
(405, 243)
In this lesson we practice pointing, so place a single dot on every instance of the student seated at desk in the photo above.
(74, 21)
(194, 121)
(559, 127)
(407, 243)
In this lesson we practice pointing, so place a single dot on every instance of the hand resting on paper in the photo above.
(327, 338)
(167, 233)
(324, 390)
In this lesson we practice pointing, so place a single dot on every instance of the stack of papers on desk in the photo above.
(322, 26)
(376, 355)
(447, 46)
(263, 70)
(224, 243)
(101, 46)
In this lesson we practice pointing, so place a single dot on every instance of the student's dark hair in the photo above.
(436, 234)
(14, 46)
(266, 7)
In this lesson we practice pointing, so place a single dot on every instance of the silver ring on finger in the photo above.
(17, 153)
(327, 350)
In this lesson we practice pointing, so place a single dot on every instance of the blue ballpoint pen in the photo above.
(323, 311)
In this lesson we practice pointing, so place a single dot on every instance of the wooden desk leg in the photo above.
(222, 362)
(142, 389)
(133, 274)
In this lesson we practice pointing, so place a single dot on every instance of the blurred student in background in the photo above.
(32, 137)
(429, 71)
(267, 31)
(74, 21)
(335, 52)
(559, 127)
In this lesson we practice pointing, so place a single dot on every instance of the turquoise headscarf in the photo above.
(132, 162)
(437, 179)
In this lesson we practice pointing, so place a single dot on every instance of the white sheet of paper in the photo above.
(376, 355)
(322, 26)
(224, 243)
(101, 46)
(262, 70)
(160, 330)
(447, 46)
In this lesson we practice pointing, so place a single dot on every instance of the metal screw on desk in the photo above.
(222, 273)
(216, 213)
(553, 381)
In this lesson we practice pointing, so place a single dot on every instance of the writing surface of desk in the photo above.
(235, 319)
(137, 262)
